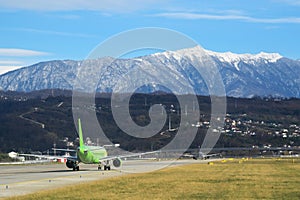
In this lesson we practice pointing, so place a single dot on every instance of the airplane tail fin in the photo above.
(80, 133)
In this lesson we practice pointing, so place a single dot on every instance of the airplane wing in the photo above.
(207, 156)
(49, 157)
(189, 156)
(211, 155)
(109, 158)
(65, 150)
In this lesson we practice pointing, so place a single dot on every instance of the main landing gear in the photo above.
(105, 166)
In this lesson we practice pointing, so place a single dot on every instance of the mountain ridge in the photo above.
(243, 75)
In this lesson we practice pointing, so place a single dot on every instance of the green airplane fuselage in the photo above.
(91, 154)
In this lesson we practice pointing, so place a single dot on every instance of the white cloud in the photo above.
(184, 15)
(4, 69)
(12, 58)
(196, 16)
(64, 16)
(288, 20)
(10, 62)
(63, 5)
(20, 52)
(49, 32)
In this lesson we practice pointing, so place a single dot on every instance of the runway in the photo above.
(24, 179)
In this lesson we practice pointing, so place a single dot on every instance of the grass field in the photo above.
(229, 179)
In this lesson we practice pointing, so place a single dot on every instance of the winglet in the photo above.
(80, 133)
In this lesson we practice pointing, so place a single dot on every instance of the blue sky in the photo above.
(32, 30)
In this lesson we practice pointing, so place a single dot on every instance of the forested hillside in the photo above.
(36, 122)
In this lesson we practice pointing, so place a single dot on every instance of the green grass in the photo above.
(233, 179)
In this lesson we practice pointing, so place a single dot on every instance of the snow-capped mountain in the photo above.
(243, 75)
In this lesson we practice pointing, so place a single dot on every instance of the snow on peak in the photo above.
(271, 57)
(223, 57)
(197, 52)
(191, 53)
(247, 58)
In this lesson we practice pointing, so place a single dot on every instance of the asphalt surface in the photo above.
(24, 179)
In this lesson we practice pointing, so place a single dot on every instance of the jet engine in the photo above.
(117, 162)
(70, 164)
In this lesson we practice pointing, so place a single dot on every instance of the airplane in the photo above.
(90, 155)
(200, 155)
(203, 156)
(16, 156)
